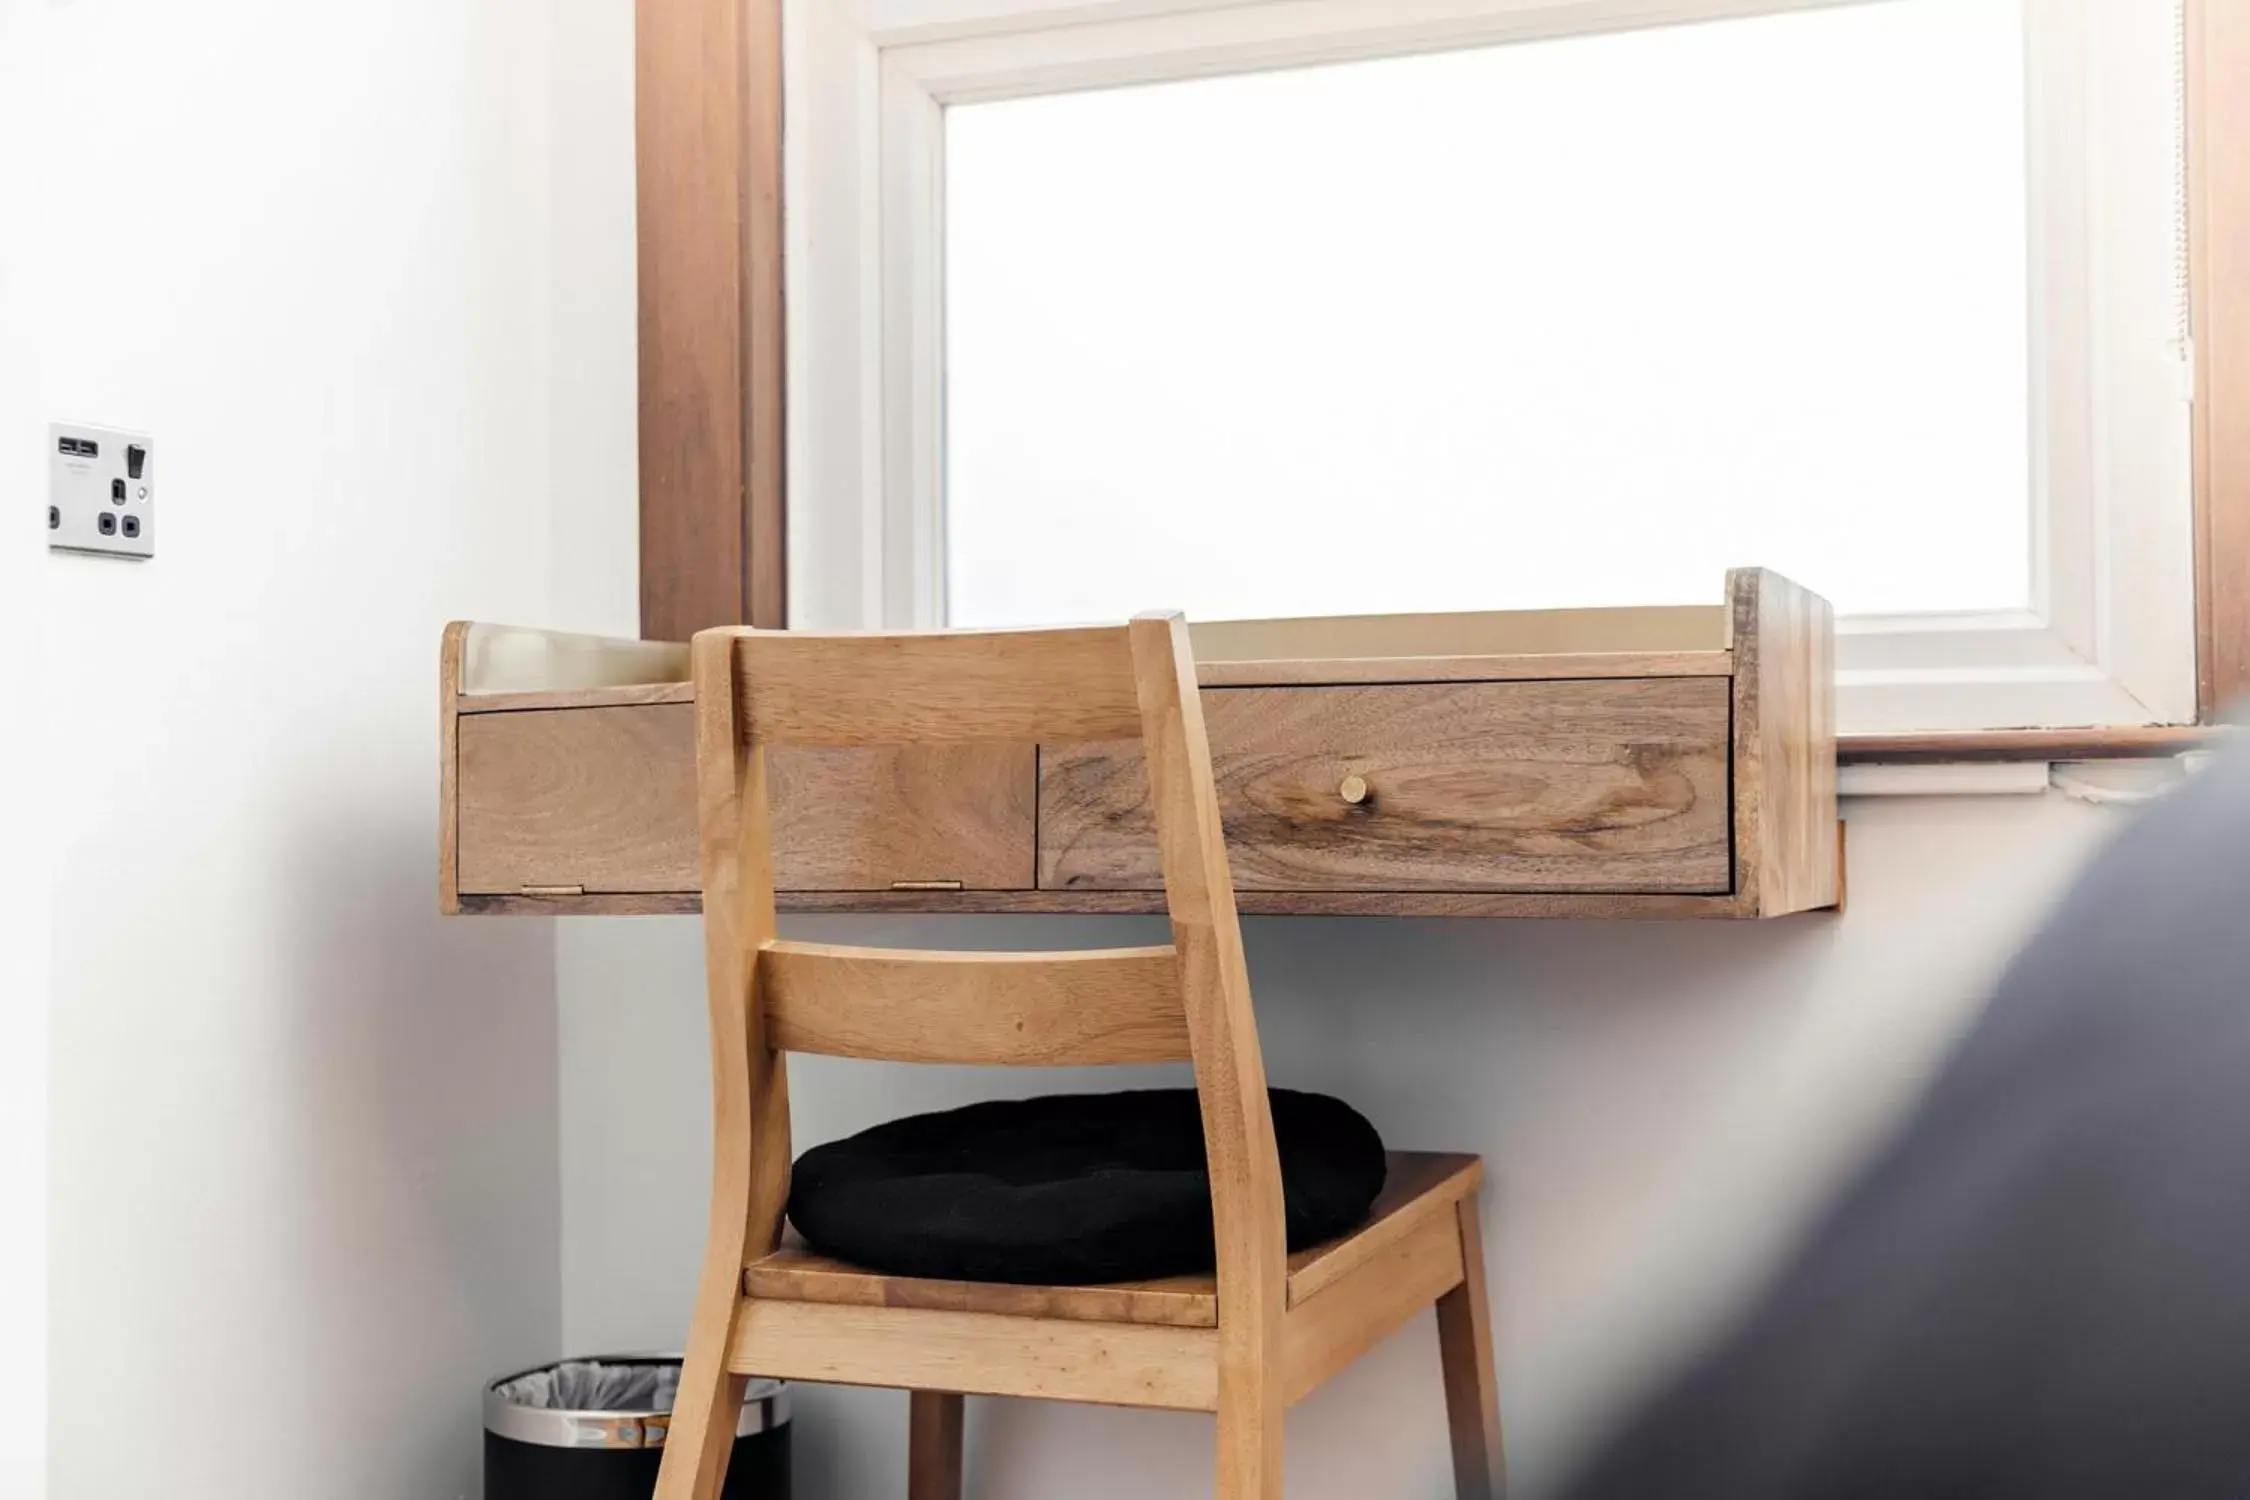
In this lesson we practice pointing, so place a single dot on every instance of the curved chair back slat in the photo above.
(1097, 1007)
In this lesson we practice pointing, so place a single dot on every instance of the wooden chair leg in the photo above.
(704, 1414)
(933, 1448)
(1249, 1438)
(1472, 1395)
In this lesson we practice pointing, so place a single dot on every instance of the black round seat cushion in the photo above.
(1069, 1189)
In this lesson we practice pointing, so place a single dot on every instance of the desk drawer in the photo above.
(603, 799)
(1575, 785)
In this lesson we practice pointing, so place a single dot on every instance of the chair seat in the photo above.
(1416, 1185)
(1068, 1189)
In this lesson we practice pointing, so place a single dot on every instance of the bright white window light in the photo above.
(1581, 321)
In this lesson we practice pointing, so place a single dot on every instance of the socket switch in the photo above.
(101, 491)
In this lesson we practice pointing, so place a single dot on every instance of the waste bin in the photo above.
(594, 1429)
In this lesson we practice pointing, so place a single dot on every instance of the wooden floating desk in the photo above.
(1664, 762)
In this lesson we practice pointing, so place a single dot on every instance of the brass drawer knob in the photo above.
(1354, 790)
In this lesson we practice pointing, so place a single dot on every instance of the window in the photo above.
(1569, 322)
(1307, 307)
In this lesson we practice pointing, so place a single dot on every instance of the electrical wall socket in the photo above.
(101, 491)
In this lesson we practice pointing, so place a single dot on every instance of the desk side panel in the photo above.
(1786, 845)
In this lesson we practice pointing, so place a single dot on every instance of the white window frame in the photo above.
(2109, 638)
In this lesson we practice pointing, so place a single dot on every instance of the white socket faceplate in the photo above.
(101, 490)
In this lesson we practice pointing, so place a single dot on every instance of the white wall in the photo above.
(303, 1158)
(23, 872)
(594, 522)
(1656, 1102)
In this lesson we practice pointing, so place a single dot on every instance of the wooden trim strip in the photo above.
(1349, 672)
(1378, 670)
(2218, 112)
(765, 581)
(593, 904)
(796, 1273)
(606, 697)
(1639, 631)
(1608, 907)
(450, 650)
(1605, 905)
(984, 1354)
(2027, 744)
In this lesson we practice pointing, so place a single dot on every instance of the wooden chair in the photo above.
(1246, 1343)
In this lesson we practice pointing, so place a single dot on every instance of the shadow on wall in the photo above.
(305, 1146)
(421, 1053)
(1658, 1104)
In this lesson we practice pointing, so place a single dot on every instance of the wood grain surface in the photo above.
(692, 150)
(1230, 1073)
(1322, 1335)
(936, 688)
(604, 799)
(598, 798)
(1472, 1408)
(1523, 786)
(864, 819)
(1785, 844)
(1087, 1008)
(933, 1445)
(986, 1354)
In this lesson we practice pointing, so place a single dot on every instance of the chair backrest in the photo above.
(1188, 1000)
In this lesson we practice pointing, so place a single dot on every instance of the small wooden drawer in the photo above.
(593, 799)
(602, 800)
(1578, 785)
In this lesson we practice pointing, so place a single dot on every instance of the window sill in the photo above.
(1956, 747)
(2023, 762)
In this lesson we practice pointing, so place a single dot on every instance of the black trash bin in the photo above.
(593, 1429)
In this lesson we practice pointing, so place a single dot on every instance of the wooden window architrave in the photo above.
(712, 468)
